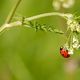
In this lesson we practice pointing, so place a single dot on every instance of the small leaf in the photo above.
(58, 31)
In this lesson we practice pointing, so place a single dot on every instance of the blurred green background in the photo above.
(29, 55)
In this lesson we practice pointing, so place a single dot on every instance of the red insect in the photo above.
(64, 52)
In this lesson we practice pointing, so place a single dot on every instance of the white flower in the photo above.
(73, 25)
(78, 28)
(70, 51)
(75, 42)
(75, 39)
(68, 3)
(58, 4)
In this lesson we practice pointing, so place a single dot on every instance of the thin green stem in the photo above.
(69, 37)
(48, 14)
(10, 16)
(18, 23)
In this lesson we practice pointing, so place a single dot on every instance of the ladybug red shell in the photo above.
(64, 52)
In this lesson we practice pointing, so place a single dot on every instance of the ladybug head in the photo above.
(61, 48)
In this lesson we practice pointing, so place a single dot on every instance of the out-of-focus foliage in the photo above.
(29, 55)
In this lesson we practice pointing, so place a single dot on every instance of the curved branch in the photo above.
(19, 23)
(49, 14)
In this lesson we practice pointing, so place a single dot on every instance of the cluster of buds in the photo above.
(73, 40)
(68, 49)
(73, 25)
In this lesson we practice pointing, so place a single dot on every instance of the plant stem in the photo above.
(48, 14)
(69, 37)
(10, 16)
(19, 23)
(13, 24)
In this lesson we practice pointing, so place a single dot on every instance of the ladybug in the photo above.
(64, 52)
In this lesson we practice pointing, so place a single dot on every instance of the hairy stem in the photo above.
(19, 23)
(10, 16)
(48, 14)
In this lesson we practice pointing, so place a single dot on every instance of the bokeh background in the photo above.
(29, 55)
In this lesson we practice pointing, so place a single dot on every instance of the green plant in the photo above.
(73, 26)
